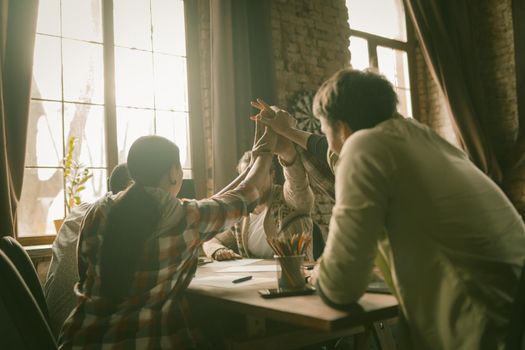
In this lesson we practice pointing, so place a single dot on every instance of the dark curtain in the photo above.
(241, 70)
(17, 39)
(445, 31)
(514, 176)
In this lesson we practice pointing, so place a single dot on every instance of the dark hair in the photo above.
(135, 215)
(361, 99)
(119, 179)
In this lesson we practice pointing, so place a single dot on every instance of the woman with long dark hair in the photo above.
(138, 250)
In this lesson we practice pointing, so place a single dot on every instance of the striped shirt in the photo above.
(154, 313)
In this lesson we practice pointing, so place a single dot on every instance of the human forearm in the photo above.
(297, 136)
(258, 174)
(296, 190)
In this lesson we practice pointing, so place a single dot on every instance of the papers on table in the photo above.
(230, 263)
(226, 281)
(252, 268)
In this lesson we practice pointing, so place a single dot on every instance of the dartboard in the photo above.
(301, 109)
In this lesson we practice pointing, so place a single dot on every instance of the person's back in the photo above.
(455, 242)
(138, 251)
(63, 273)
(63, 270)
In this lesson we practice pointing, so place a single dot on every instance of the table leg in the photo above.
(383, 335)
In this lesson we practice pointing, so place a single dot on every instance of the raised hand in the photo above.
(280, 144)
(278, 119)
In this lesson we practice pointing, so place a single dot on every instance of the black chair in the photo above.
(23, 325)
(516, 337)
(18, 256)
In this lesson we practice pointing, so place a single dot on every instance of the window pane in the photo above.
(131, 124)
(41, 202)
(83, 72)
(359, 53)
(96, 187)
(174, 126)
(405, 102)
(169, 35)
(170, 82)
(134, 86)
(132, 21)
(385, 18)
(86, 123)
(46, 68)
(82, 19)
(44, 134)
(48, 17)
(394, 65)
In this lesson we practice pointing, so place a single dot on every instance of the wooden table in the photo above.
(301, 320)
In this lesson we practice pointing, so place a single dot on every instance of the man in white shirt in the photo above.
(452, 242)
(63, 271)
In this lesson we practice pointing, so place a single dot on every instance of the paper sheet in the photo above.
(252, 268)
(226, 281)
(230, 263)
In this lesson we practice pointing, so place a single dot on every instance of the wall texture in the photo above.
(310, 43)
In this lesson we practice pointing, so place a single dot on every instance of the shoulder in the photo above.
(369, 150)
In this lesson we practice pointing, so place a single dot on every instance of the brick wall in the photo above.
(310, 43)
(432, 109)
(205, 81)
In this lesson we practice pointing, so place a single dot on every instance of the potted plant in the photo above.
(75, 177)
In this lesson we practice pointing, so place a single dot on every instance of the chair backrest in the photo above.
(23, 324)
(516, 337)
(19, 257)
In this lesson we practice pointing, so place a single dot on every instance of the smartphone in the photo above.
(279, 293)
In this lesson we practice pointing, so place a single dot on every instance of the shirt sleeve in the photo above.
(296, 190)
(222, 240)
(213, 215)
(362, 189)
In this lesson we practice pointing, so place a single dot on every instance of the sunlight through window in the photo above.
(68, 95)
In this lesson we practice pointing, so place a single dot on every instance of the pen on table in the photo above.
(242, 279)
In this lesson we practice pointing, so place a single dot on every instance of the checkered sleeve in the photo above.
(210, 216)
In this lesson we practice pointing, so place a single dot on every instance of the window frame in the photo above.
(195, 135)
(373, 41)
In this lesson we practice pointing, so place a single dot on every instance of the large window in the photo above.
(379, 40)
(106, 73)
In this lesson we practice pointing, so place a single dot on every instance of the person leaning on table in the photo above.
(138, 251)
(452, 241)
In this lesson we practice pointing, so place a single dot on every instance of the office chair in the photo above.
(18, 256)
(23, 325)
(516, 336)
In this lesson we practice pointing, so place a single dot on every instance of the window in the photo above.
(380, 40)
(105, 72)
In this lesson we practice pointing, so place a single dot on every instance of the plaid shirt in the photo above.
(154, 313)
